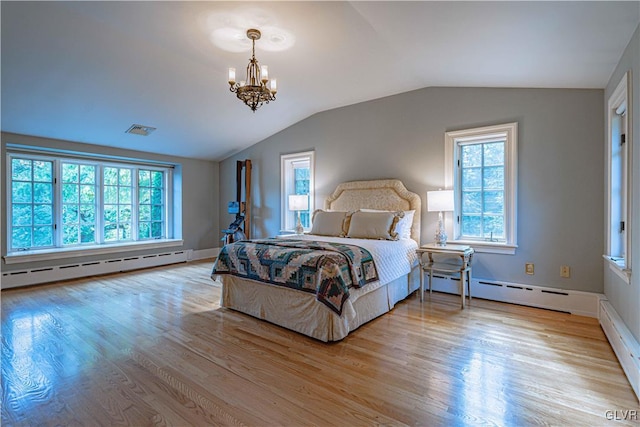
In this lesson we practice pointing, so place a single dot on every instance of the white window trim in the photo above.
(81, 250)
(621, 95)
(286, 159)
(9, 206)
(510, 132)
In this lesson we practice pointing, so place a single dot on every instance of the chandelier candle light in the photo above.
(297, 203)
(253, 91)
(440, 201)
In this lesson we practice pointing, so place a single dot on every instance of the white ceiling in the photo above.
(86, 71)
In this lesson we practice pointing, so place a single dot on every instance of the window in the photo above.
(117, 207)
(60, 203)
(481, 168)
(619, 181)
(32, 217)
(296, 175)
(78, 203)
(151, 194)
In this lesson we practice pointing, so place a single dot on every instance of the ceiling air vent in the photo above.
(140, 130)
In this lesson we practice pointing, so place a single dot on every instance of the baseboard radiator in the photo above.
(624, 344)
(34, 276)
(568, 301)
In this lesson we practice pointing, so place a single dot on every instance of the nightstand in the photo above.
(458, 261)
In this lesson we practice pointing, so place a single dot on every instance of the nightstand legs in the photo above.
(421, 283)
(465, 285)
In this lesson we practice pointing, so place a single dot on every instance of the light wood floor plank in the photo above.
(153, 347)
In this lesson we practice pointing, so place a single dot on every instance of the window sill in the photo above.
(74, 252)
(285, 232)
(488, 247)
(617, 266)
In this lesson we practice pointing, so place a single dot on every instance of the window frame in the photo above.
(59, 207)
(99, 246)
(619, 99)
(9, 194)
(288, 218)
(453, 141)
(167, 213)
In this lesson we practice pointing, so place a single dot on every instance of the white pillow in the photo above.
(329, 223)
(374, 225)
(403, 228)
(404, 225)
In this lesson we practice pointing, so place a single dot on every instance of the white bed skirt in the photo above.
(301, 312)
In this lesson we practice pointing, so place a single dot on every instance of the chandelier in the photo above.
(253, 91)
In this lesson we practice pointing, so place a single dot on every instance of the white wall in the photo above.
(624, 297)
(561, 192)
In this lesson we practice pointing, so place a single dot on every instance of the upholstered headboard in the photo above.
(383, 194)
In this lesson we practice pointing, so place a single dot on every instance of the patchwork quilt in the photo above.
(326, 269)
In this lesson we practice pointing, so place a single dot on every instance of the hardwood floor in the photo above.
(153, 347)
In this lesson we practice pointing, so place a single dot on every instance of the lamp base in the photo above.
(441, 238)
(299, 227)
(441, 234)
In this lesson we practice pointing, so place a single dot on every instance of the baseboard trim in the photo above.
(39, 275)
(569, 301)
(204, 254)
(624, 344)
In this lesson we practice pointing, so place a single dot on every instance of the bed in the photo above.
(396, 266)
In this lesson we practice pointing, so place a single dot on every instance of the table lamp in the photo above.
(297, 203)
(440, 201)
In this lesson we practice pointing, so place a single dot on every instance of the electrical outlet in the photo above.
(565, 271)
(528, 268)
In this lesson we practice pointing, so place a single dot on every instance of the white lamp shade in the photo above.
(298, 202)
(440, 201)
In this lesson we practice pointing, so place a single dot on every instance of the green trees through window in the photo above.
(117, 186)
(151, 204)
(482, 187)
(78, 203)
(32, 219)
(301, 185)
(58, 202)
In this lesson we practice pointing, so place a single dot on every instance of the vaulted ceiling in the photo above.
(87, 71)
